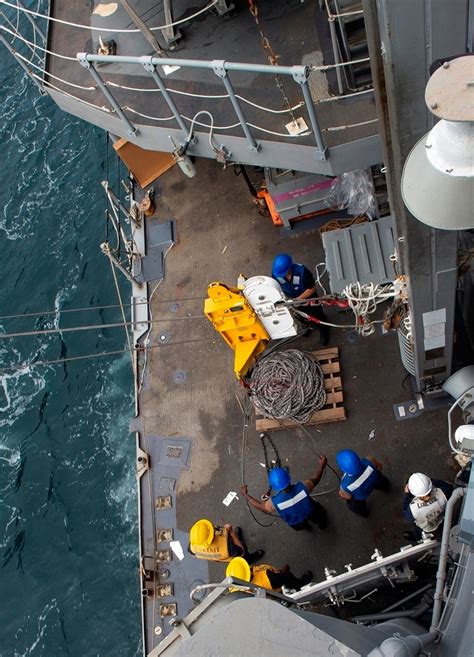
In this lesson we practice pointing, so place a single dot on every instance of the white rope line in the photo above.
(363, 300)
(345, 127)
(279, 134)
(118, 226)
(211, 128)
(215, 128)
(211, 97)
(16, 34)
(331, 99)
(125, 323)
(56, 361)
(146, 116)
(347, 13)
(17, 29)
(107, 29)
(268, 109)
(205, 125)
(155, 89)
(319, 275)
(53, 54)
(169, 118)
(330, 66)
(187, 93)
(80, 100)
(34, 29)
(146, 342)
(42, 70)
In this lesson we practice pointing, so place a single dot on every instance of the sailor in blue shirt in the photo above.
(360, 477)
(297, 282)
(292, 502)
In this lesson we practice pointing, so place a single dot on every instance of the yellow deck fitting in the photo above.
(233, 317)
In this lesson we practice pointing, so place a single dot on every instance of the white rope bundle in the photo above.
(363, 301)
(287, 385)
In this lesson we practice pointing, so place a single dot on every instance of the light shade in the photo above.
(438, 177)
(460, 383)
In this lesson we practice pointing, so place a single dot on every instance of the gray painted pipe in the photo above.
(416, 612)
(407, 598)
(441, 574)
(197, 63)
(410, 646)
(403, 646)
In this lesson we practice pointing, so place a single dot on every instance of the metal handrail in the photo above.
(221, 68)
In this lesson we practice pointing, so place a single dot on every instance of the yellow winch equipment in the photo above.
(234, 318)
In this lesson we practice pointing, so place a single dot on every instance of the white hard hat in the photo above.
(419, 484)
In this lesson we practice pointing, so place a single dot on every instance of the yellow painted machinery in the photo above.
(248, 317)
(234, 318)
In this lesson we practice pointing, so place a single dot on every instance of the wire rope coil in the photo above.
(287, 385)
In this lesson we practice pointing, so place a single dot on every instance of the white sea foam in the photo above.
(19, 387)
(15, 515)
(10, 463)
(42, 625)
(13, 457)
(62, 296)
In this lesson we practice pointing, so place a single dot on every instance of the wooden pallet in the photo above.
(333, 410)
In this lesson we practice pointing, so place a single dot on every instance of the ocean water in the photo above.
(68, 509)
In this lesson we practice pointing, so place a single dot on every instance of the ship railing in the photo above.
(301, 118)
(221, 68)
(25, 36)
(299, 75)
(340, 13)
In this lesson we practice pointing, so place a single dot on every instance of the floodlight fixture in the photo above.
(438, 176)
(460, 385)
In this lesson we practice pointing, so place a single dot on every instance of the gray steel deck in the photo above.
(297, 30)
(190, 393)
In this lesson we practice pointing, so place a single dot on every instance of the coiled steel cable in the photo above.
(287, 385)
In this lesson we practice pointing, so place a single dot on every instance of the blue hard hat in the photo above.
(349, 461)
(279, 478)
(281, 264)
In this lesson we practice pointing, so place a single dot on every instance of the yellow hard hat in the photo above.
(202, 533)
(239, 568)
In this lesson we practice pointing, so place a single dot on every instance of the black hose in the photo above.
(239, 169)
(247, 410)
(247, 414)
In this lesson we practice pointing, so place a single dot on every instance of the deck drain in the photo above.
(174, 452)
(179, 376)
(163, 535)
(158, 630)
(164, 573)
(163, 502)
(165, 590)
(175, 307)
(164, 337)
(163, 556)
(168, 610)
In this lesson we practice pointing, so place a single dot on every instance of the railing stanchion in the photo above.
(83, 61)
(151, 68)
(220, 70)
(300, 75)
